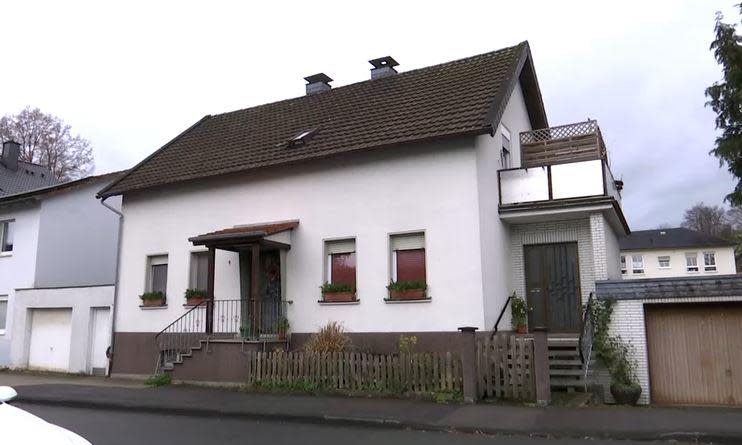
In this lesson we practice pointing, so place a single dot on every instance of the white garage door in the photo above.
(50, 339)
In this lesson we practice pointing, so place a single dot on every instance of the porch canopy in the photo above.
(244, 238)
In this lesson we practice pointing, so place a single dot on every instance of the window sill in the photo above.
(338, 303)
(417, 300)
(149, 308)
(710, 271)
(5, 254)
(2, 331)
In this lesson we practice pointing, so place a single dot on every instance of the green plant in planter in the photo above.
(616, 354)
(330, 288)
(195, 293)
(519, 313)
(152, 296)
(407, 285)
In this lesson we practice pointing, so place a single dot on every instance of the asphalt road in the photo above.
(103, 427)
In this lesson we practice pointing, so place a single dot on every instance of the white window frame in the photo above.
(688, 267)
(634, 269)
(3, 224)
(709, 267)
(622, 261)
(4, 298)
(659, 261)
(156, 260)
(337, 246)
(393, 252)
(506, 153)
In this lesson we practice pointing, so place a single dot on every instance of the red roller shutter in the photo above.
(343, 268)
(411, 265)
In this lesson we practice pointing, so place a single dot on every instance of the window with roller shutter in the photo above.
(341, 262)
(408, 257)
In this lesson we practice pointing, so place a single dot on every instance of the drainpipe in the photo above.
(110, 350)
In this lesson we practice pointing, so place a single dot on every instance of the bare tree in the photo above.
(46, 140)
(710, 220)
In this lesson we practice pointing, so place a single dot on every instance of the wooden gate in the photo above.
(695, 353)
(505, 367)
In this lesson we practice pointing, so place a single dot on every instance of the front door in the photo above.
(552, 287)
(268, 304)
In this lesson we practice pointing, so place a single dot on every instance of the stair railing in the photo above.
(502, 312)
(180, 336)
(587, 335)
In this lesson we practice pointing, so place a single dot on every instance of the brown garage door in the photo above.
(695, 353)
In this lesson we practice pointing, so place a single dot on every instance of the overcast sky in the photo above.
(133, 77)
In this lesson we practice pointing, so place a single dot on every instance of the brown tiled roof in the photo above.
(463, 97)
(249, 230)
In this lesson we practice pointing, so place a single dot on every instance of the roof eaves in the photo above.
(105, 192)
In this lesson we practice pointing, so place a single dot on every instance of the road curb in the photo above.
(377, 422)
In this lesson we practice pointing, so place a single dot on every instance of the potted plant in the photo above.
(194, 296)
(519, 314)
(624, 386)
(407, 290)
(153, 299)
(338, 292)
(282, 327)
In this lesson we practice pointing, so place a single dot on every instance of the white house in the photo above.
(447, 179)
(676, 252)
(57, 275)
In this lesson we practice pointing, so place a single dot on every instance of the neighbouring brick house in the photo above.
(446, 177)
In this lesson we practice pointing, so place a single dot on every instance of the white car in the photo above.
(20, 427)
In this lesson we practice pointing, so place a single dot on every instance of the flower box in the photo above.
(153, 302)
(407, 294)
(193, 301)
(338, 297)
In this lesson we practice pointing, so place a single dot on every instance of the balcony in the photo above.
(565, 171)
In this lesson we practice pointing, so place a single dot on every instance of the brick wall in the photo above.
(628, 322)
(578, 230)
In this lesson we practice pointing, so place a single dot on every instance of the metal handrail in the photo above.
(181, 317)
(502, 312)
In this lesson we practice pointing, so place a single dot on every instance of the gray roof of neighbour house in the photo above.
(461, 98)
(670, 239)
(28, 176)
(41, 192)
(658, 288)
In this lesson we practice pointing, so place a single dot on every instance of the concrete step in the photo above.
(565, 343)
(568, 372)
(565, 362)
(566, 383)
(563, 353)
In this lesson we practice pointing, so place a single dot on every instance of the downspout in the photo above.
(110, 350)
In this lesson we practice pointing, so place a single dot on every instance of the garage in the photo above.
(51, 334)
(695, 353)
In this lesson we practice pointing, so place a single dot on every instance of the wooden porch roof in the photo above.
(244, 234)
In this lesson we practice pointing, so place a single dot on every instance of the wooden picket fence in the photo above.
(505, 367)
(353, 371)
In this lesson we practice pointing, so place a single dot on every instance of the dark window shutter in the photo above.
(343, 268)
(411, 265)
(202, 271)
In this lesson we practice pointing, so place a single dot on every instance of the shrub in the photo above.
(158, 380)
(406, 344)
(336, 287)
(406, 285)
(518, 310)
(615, 353)
(152, 296)
(330, 338)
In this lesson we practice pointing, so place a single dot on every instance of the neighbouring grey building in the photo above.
(57, 276)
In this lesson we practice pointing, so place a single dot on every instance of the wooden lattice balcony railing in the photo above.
(581, 141)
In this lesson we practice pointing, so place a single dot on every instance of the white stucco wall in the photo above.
(497, 281)
(725, 262)
(80, 300)
(17, 268)
(426, 187)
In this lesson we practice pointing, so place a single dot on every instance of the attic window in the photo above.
(301, 138)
